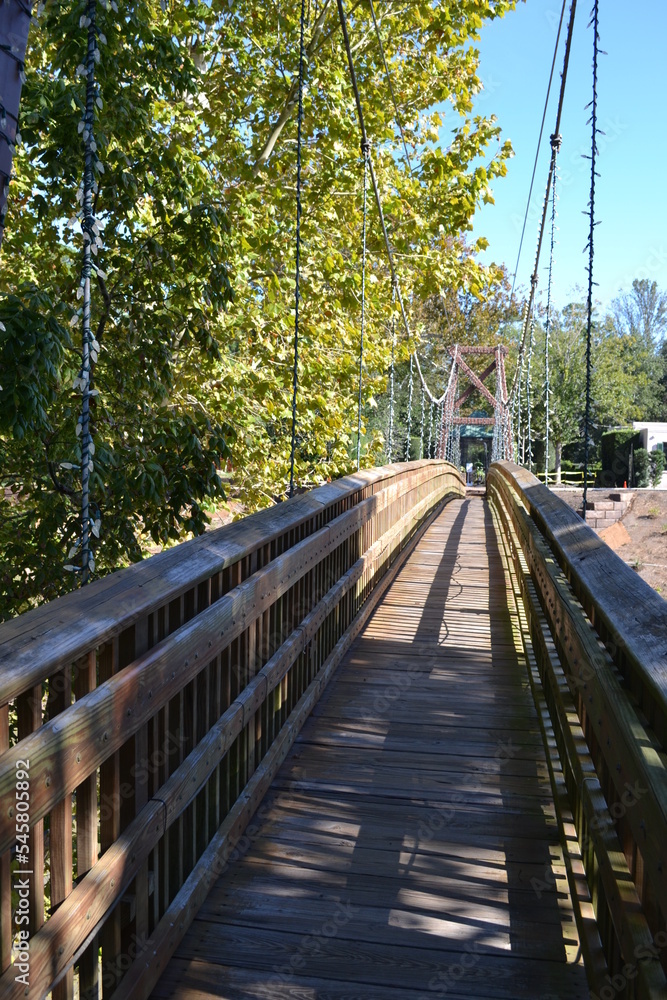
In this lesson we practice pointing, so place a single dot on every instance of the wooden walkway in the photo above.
(393, 857)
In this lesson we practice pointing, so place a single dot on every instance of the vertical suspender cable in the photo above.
(529, 391)
(365, 150)
(376, 189)
(371, 170)
(591, 246)
(391, 86)
(89, 238)
(540, 235)
(390, 452)
(407, 443)
(421, 431)
(537, 151)
(297, 279)
(555, 147)
(517, 407)
(430, 431)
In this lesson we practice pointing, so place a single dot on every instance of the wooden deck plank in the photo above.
(396, 853)
(195, 980)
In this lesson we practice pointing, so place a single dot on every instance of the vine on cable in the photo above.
(390, 448)
(92, 242)
(590, 247)
(556, 141)
(297, 276)
(365, 152)
(407, 442)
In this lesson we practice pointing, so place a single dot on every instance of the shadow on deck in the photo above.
(408, 847)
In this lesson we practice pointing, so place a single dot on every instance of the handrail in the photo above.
(607, 708)
(629, 616)
(154, 708)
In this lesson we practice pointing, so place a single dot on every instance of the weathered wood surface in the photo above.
(630, 616)
(51, 636)
(394, 854)
(629, 751)
(615, 930)
(228, 670)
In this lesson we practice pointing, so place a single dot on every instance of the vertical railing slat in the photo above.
(60, 826)
(85, 680)
(110, 936)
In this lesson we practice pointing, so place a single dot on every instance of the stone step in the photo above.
(621, 496)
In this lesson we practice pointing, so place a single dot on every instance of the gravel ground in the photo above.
(646, 523)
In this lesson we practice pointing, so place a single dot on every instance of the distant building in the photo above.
(653, 437)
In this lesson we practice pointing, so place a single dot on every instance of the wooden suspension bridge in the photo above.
(385, 740)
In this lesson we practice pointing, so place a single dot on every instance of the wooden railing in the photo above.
(596, 641)
(143, 718)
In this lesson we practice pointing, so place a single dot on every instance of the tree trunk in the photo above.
(558, 447)
(14, 25)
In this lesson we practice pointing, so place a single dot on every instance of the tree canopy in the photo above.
(627, 367)
(193, 305)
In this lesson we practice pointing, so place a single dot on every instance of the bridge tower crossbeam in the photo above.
(451, 412)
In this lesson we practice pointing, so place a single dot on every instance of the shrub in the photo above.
(615, 452)
(642, 468)
(415, 447)
(657, 467)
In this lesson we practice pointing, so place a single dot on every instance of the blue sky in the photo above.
(515, 59)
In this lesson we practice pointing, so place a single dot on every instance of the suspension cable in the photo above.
(376, 193)
(448, 406)
(90, 234)
(537, 151)
(591, 246)
(540, 235)
(407, 443)
(421, 430)
(529, 392)
(555, 148)
(365, 152)
(391, 86)
(516, 402)
(297, 280)
(430, 430)
(391, 378)
(438, 433)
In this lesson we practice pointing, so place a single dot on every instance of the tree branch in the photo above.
(107, 308)
(293, 94)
